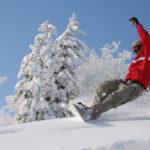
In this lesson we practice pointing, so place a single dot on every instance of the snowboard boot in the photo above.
(85, 111)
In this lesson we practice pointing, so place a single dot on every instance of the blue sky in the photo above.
(102, 20)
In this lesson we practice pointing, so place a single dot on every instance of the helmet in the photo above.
(137, 43)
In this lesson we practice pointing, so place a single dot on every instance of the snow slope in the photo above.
(123, 129)
(71, 134)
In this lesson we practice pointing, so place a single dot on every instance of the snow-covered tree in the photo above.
(31, 91)
(110, 64)
(69, 53)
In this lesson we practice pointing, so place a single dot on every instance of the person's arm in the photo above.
(143, 34)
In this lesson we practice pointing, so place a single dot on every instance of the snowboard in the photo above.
(77, 111)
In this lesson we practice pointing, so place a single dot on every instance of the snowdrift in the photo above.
(71, 134)
(126, 128)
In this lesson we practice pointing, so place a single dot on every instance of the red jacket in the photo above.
(139, 69)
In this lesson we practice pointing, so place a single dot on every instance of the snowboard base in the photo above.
(77, 112)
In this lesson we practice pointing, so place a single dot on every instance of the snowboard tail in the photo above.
(77, 112)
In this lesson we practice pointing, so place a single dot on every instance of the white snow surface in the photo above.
(126, 128)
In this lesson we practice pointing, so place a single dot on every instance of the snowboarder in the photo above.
(113, 93)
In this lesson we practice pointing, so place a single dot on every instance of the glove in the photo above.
(120, 81)
(134, 21)
(128, 82)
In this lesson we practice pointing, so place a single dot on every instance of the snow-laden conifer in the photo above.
(31, 91)
(69, 54)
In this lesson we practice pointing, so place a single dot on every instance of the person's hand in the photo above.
(134, 21)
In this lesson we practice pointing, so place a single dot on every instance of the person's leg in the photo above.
(124, 94)
(105, 89)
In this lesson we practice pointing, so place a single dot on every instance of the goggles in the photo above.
(136, 48)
